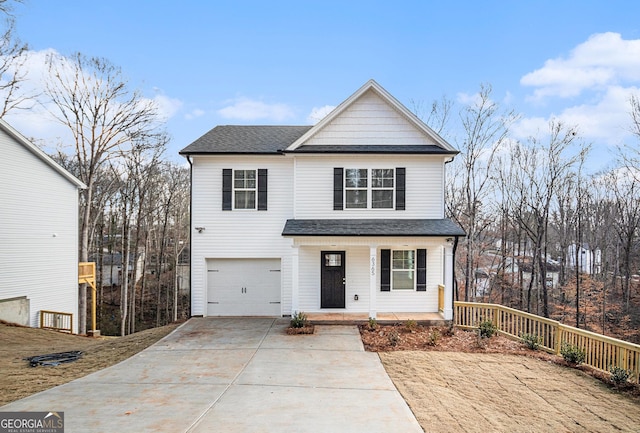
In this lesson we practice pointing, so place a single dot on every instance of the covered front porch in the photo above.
(341, 272)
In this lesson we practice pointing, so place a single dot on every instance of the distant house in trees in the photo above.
(589, 260)
(38, 232)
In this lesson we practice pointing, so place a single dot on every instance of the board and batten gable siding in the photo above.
(249, 234)
(369, 121)
(38, 232)
(423, 188)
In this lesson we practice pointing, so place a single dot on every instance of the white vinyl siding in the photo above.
(38, 233)
(238, 234)
(314, 186)
(357, 275)
(369, 121)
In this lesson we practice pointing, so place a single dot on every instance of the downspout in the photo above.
(190, 229)
(453, 269)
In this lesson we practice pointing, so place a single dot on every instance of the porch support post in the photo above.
(448, 282)
(295, 306)
(373, 265)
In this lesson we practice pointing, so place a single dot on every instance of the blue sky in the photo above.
(256, 62)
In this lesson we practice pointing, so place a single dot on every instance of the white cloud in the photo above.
(604, 121)
(193, 114)
(248, 109)
(604, 59)
(167, 107)
(37, 123)
(319, 113)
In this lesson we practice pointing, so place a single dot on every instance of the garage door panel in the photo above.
(244, 287)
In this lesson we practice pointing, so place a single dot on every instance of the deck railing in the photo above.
(56, 320)
(601, 352)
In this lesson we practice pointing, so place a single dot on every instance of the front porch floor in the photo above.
(339, 318)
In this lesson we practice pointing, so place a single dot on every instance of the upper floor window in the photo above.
(244, 189)
(369, 188)
(364, 188)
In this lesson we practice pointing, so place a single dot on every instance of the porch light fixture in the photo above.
(355, 297)
(200, 229)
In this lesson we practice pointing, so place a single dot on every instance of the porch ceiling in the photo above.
(372, 227)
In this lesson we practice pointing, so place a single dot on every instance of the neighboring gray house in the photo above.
(38, 232)
(344, 216)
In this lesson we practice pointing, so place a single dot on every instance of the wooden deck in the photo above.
(431, 319)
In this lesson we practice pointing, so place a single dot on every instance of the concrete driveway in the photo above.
(236, 375)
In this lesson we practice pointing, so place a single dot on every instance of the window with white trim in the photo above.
(403, 270)
(245, 187)
(369, 188)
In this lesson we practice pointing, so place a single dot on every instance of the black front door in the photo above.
(332, 281)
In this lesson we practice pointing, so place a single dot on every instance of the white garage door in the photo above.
(243, 287)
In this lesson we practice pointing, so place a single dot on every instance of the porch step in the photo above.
(425, 319)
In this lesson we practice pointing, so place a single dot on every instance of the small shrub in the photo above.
(449, 330)
(393, 337)
(532, 341)
(619, 376)
(411, 325)
(373, 324)
(299, 320)
(434, 337)
(486, 329)
(572, 353)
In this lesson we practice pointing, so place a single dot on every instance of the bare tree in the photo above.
(485, 128)
(91, 98)
(12, 65)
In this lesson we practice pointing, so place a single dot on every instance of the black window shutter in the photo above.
(338, 188)
(385, 270)
(227, 181)
(400, 188)
(262, 189)
(422, 271)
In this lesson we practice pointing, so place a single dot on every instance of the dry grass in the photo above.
(18, 380)
(463, 384)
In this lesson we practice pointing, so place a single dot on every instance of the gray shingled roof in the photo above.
(239, 139)
(372, 227)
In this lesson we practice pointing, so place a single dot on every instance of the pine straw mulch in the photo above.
(390, 338)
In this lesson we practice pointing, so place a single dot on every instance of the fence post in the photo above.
(558, 338)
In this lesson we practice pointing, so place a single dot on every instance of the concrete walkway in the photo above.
(236, 375)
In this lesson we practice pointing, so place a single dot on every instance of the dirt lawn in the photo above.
(18, 380)
(459, 385)
(456, 385)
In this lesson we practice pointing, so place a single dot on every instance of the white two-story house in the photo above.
(344, 216)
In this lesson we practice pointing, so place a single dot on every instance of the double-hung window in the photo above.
(369, 188)
(356, 181)
(382, 188)
(403, 269)
(244, 189)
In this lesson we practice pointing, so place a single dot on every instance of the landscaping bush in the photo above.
(411, 325)
(373, 324)
(572, 353)
(619, 375)
(532, 341)
(434, 337)
(487, 329)
(299, 320)
(393, 338)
